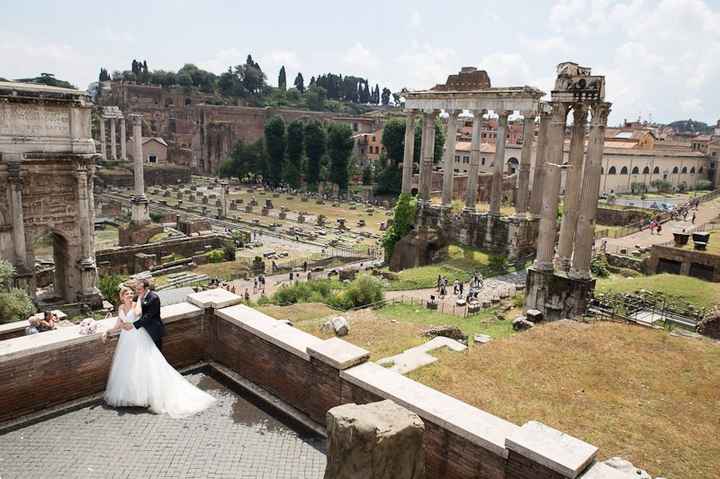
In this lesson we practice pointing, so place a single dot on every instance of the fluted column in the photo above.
(409, 152)
(474, 172)
(496, 193)
(113, 140)
(103, 138)
(81, 174)
(573, 180)
(18, 220)
(585, 235)
(428, 152)
(523, 184)
(123, 140)
(551, 189)
(540, 160)
(140, 213)
(449, 159)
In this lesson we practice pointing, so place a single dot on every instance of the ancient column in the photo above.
(428, 152)
(409, 152)
(474, 172)
(17, 217)
(88, 270)
(103, 138)
(496, 193)
(540, 159)
(449, 159)
(123, 140)
(113, 139)
(551, 189)
(140, 214)
(573, 180)
(523, 184)
(585, 235)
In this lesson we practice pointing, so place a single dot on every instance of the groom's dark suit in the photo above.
(150, 318)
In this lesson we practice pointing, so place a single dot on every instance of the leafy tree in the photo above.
(275, 141)
(315, 98)
(300, 83)
(367, 175)
(385, 97)
(246, 161)
(109, 286)
(295, 147)
(104, 75)
(315, 145)
(47, 79)
(393, 139)
(376, 95)
(15, 303)
(340, 146)
(403, 220)
(282, 79)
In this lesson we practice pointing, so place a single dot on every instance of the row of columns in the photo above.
(113, 138)
(582, 182)
(427, 150)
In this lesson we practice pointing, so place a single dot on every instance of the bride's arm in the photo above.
(137, 308)
(114, 329)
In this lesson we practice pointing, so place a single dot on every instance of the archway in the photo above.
(512, 166)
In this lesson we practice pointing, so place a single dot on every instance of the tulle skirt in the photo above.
(140, 376)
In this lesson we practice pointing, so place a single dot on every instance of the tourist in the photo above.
(247, 296)
(48, 323)
(653, 225)
(455, 287)
(693, 218)
(255, 285)
(438, 282)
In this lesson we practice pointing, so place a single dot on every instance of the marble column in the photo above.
(113, 140)
(449, 159)
(496, 193)
(103, 138)
(551, 189)
(88, 269)
(573, 180)
(428, 153)
(409, 152)
(474, 172)
(140, 214)
(585, 235)
(123, 140)
(523, 183)
(18, 220)
(536, 194)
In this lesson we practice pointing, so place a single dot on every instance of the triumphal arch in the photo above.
(47, 164)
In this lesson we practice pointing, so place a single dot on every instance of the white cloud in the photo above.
(415, 20)
(425, 66)
(360, 58)
(223, 59)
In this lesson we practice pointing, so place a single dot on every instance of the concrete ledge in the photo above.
(214, 298)
(553, 449)
(603, 471)
(471, 423)
(339, 353)
(276, 332)
(24, 345)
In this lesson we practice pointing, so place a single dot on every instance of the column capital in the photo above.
(600, 112)
(136, 119)
(14, 172)
(411, 113)
(503, 118)
(559, 112)
(580, 112)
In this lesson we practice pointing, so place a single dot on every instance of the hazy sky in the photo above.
(661, 57)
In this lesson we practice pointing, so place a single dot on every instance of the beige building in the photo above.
(154, 150)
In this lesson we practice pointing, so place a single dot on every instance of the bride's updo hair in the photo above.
(123, 290)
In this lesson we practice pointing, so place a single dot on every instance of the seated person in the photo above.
(48, 323)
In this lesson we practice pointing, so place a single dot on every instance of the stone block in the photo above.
(338, 353)
(214, 298)
(521, 324)
(374, 441)
(533, 315)
(264, 212)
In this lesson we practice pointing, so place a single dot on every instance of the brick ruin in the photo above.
(200, 134)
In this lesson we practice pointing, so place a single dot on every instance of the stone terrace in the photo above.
(296, 372)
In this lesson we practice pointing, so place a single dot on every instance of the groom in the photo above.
(150, 318)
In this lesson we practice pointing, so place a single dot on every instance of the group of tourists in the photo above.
(676, 214)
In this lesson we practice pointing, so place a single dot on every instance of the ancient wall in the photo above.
(621, 216)
(699, 264)
(154, 176)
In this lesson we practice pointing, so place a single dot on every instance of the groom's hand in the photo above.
(128, 326)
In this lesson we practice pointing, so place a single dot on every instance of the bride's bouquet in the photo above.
(88, 326)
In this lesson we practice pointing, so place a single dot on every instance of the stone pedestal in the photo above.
(556, 295)
(374, 441)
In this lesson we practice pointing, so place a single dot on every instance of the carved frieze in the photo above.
(34, 120)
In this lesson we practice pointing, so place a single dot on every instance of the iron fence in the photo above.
(645, 310)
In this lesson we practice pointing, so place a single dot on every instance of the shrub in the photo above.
(109, 286)
(155, 216)
(403, 219)
(498, 263)
(15, 305)
(216, 256)
(364, 290)
(703, 185)
(662, 186)
(599, 266)
(229, 251)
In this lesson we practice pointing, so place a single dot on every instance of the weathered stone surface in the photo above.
(452, 332)
(710, 325)
(339, 325)
(626, 466)
(374, 441)
(418, 249)
(521, 324)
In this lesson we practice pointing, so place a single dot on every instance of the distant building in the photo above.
(154, 150)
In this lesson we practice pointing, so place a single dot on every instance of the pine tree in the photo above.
(315, 145)
(282, 79)
(300, 83)
(295, 147)
(340, 146)
(386, 96)
(275, 141)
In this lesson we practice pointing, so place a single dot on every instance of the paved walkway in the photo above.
(706, 213)
(231, 439)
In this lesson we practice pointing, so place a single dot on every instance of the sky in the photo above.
(661, 58)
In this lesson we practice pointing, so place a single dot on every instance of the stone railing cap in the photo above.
(338, 353)
(553, 449)
(214, 298)
(600, 470)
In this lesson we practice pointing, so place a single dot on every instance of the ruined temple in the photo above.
(469, 78)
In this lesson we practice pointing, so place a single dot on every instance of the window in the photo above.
(675, 170)
(457, 157)
(355, 127)
(483, 161)
(612, 171)
(624, 170)
(700, 170)
(188, 102)
(684, 170)
(646, 170)
(152, 159)
(692, 170)
(656, 170)
(373, 139)
(466, 159)
(636, 170)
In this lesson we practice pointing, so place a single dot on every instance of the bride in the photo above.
(140, 375)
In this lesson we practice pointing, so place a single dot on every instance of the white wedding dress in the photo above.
(140, 376)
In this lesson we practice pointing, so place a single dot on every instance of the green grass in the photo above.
(702, 294)
(713, 245)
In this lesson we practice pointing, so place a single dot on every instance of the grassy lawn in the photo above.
(224, 270)
(713, 245)
(637, 393)
(461, 263)
(106, 238)
(702, 294)
(298, 313)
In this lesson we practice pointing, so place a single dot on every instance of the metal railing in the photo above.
(653, 312)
